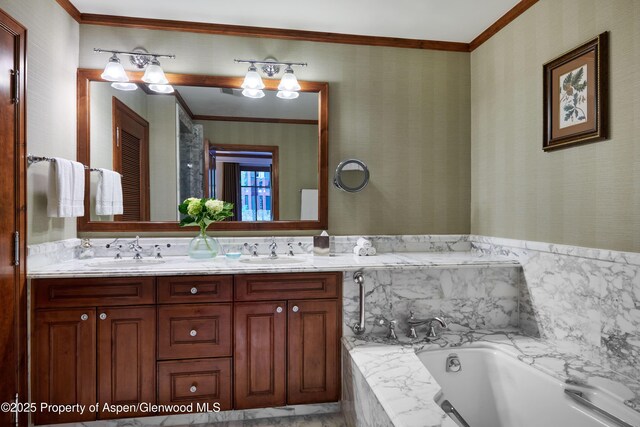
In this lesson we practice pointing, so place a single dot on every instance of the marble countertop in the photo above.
(406, 390)
(182, 265)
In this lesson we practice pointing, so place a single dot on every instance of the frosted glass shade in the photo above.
(253, 93)
(124, 86)
(161, 88)
(252, 81)
(287, 94)
(154, 74)
(114, 71)
(289, 82)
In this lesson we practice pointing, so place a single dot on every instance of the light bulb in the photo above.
(124, 86)
(161, 88)
(114, 71)
(252, 80)
(289, 81)
(287, 94)
(154, 74)
(253, 93)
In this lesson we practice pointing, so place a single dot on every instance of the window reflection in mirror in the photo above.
(260, 154)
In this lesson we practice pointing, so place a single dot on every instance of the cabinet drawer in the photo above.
(194, 331)
(195, 289)
(93, 292)
(195, 381)
(265, 287)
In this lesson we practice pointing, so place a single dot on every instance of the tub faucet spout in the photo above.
(431, 333)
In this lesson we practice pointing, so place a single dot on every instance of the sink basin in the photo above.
(274, 261)
(125, 263)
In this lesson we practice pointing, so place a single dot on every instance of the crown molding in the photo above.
(300, 35)
(504, 20)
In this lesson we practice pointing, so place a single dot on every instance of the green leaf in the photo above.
(577, 77)
(567, 80)
(568, 107)
(187, 221)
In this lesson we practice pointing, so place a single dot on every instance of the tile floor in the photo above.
(323, 420)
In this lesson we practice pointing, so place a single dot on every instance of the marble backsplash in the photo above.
(585, 301)
(469, 297)
(54, 252)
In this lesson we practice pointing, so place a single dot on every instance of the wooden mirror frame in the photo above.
(84, 223)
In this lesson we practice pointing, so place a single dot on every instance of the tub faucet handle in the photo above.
(431, 333)
(392, 330)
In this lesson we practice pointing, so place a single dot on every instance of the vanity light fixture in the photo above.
(253, 85)
(161, 88)
(124, 86)
(114, 71)
(153, 75)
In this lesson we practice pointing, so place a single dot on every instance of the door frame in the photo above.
(119, 108)
(7, 23)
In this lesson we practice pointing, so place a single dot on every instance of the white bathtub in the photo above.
(494, 389)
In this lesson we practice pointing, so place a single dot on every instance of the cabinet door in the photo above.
(64, 362)
(314, 363)
(260, 354)
(126, 358)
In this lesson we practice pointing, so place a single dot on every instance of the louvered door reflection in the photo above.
(131, 160)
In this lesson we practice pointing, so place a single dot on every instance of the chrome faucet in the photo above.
(117, 246)
(431, 332)
(253, 249)
(273, 246)
(136, 248)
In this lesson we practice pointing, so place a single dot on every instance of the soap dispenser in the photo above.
(322, 244)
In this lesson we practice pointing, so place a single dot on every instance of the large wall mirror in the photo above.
(268, 156)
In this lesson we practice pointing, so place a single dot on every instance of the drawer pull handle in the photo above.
(295, 309)
(193, 389)
(279, 310)
(84, 317)
(193, 333)
(103, 316)
(194, 290)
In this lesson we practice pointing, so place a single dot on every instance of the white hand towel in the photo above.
(371, 251)
(118, 204)
(109, 193)
(359, 250)
(65, 197)
(365, 243)
(78, 189)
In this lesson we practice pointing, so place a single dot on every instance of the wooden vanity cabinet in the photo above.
(93, 343)
(243, 341)
(287, 339)
(195, 340)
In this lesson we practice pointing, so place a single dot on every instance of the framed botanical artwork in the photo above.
(575, 95)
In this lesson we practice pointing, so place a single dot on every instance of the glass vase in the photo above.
(203, 246)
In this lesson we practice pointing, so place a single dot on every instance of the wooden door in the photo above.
(64, 362)
(260, 354)
(314, 348)
(12, 219)
(126, 358)
(131, 160)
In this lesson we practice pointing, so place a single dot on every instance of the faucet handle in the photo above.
(253, 249)
(290, 252)
(392, 330)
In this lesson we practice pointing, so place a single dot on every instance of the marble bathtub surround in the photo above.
(390, 376)
(585, 301)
